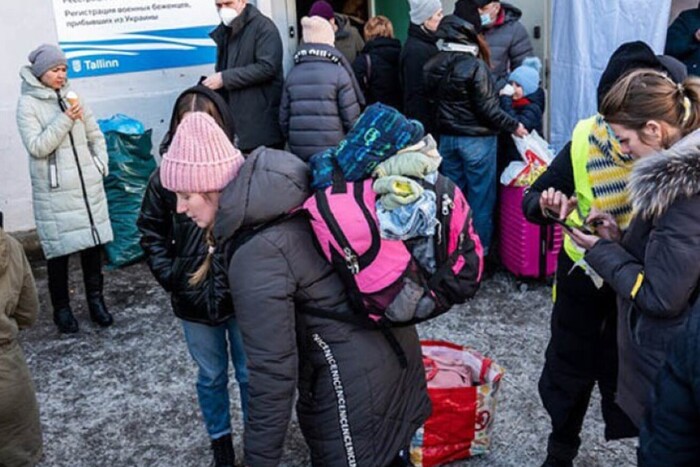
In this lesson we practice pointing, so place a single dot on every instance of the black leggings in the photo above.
(91, 263)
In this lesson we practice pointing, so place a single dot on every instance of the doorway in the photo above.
(358, 11)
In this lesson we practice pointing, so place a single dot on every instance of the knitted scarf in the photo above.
(609, 171)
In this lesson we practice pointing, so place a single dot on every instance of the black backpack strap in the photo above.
(353, 260)
(339, 183)
(394, 344)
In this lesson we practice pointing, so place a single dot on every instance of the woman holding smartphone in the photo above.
(653, 267)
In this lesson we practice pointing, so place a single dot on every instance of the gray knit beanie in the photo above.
(45, 57)
(422, 10)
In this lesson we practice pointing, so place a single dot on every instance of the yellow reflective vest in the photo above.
(582, 183)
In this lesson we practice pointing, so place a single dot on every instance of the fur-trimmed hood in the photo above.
(660, 180)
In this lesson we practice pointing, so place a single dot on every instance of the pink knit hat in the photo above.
(316, 30)
(201, 158)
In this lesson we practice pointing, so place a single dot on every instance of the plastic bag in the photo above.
(123, 124)
(130, 167)
(534, 149)
(460, 424)
(536, 153)
(521, 174)
(512, 172)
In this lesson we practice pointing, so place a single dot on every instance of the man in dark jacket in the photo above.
(671, 428)
(683, 40)
(249, 72)
(506, 36)
(418, 49)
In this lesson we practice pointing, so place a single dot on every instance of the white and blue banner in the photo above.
(102, 37)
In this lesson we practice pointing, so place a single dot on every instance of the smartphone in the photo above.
(555, 218)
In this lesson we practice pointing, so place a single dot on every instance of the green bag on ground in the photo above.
(130, 166)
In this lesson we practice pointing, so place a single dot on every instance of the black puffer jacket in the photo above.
(418, 49)
(356, 405)
(320, 101)
(671, 429)
(654, 270)
(249, 57)
(175, 248)
(377, 71)
(461, 87)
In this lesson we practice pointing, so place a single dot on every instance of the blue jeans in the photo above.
(210, 349)
(470, 162)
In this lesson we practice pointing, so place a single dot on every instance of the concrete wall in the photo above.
(147, 96)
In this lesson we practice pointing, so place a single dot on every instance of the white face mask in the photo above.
(227, 15)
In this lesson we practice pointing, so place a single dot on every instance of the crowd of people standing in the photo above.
(223, 230)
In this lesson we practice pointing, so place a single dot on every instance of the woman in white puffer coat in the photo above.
(68, 163)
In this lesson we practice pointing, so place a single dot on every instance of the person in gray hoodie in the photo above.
(357, 404)
(321, 99)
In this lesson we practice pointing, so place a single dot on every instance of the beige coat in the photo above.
(20, 431)
(67, 219)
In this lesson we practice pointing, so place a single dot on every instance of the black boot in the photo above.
(98, 309)
(65, 321)
(91, 261)
(223, 451)
(552, 461)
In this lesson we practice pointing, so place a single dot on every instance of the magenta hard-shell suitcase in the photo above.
(527, 250)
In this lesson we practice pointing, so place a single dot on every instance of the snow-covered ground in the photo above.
(125, 396)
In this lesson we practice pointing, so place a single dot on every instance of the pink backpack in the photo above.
(384, 281)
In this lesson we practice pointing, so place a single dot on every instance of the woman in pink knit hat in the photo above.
(357, 404)
(175, 248)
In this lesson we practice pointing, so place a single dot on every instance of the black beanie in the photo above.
(634, 55)
(468, 10)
